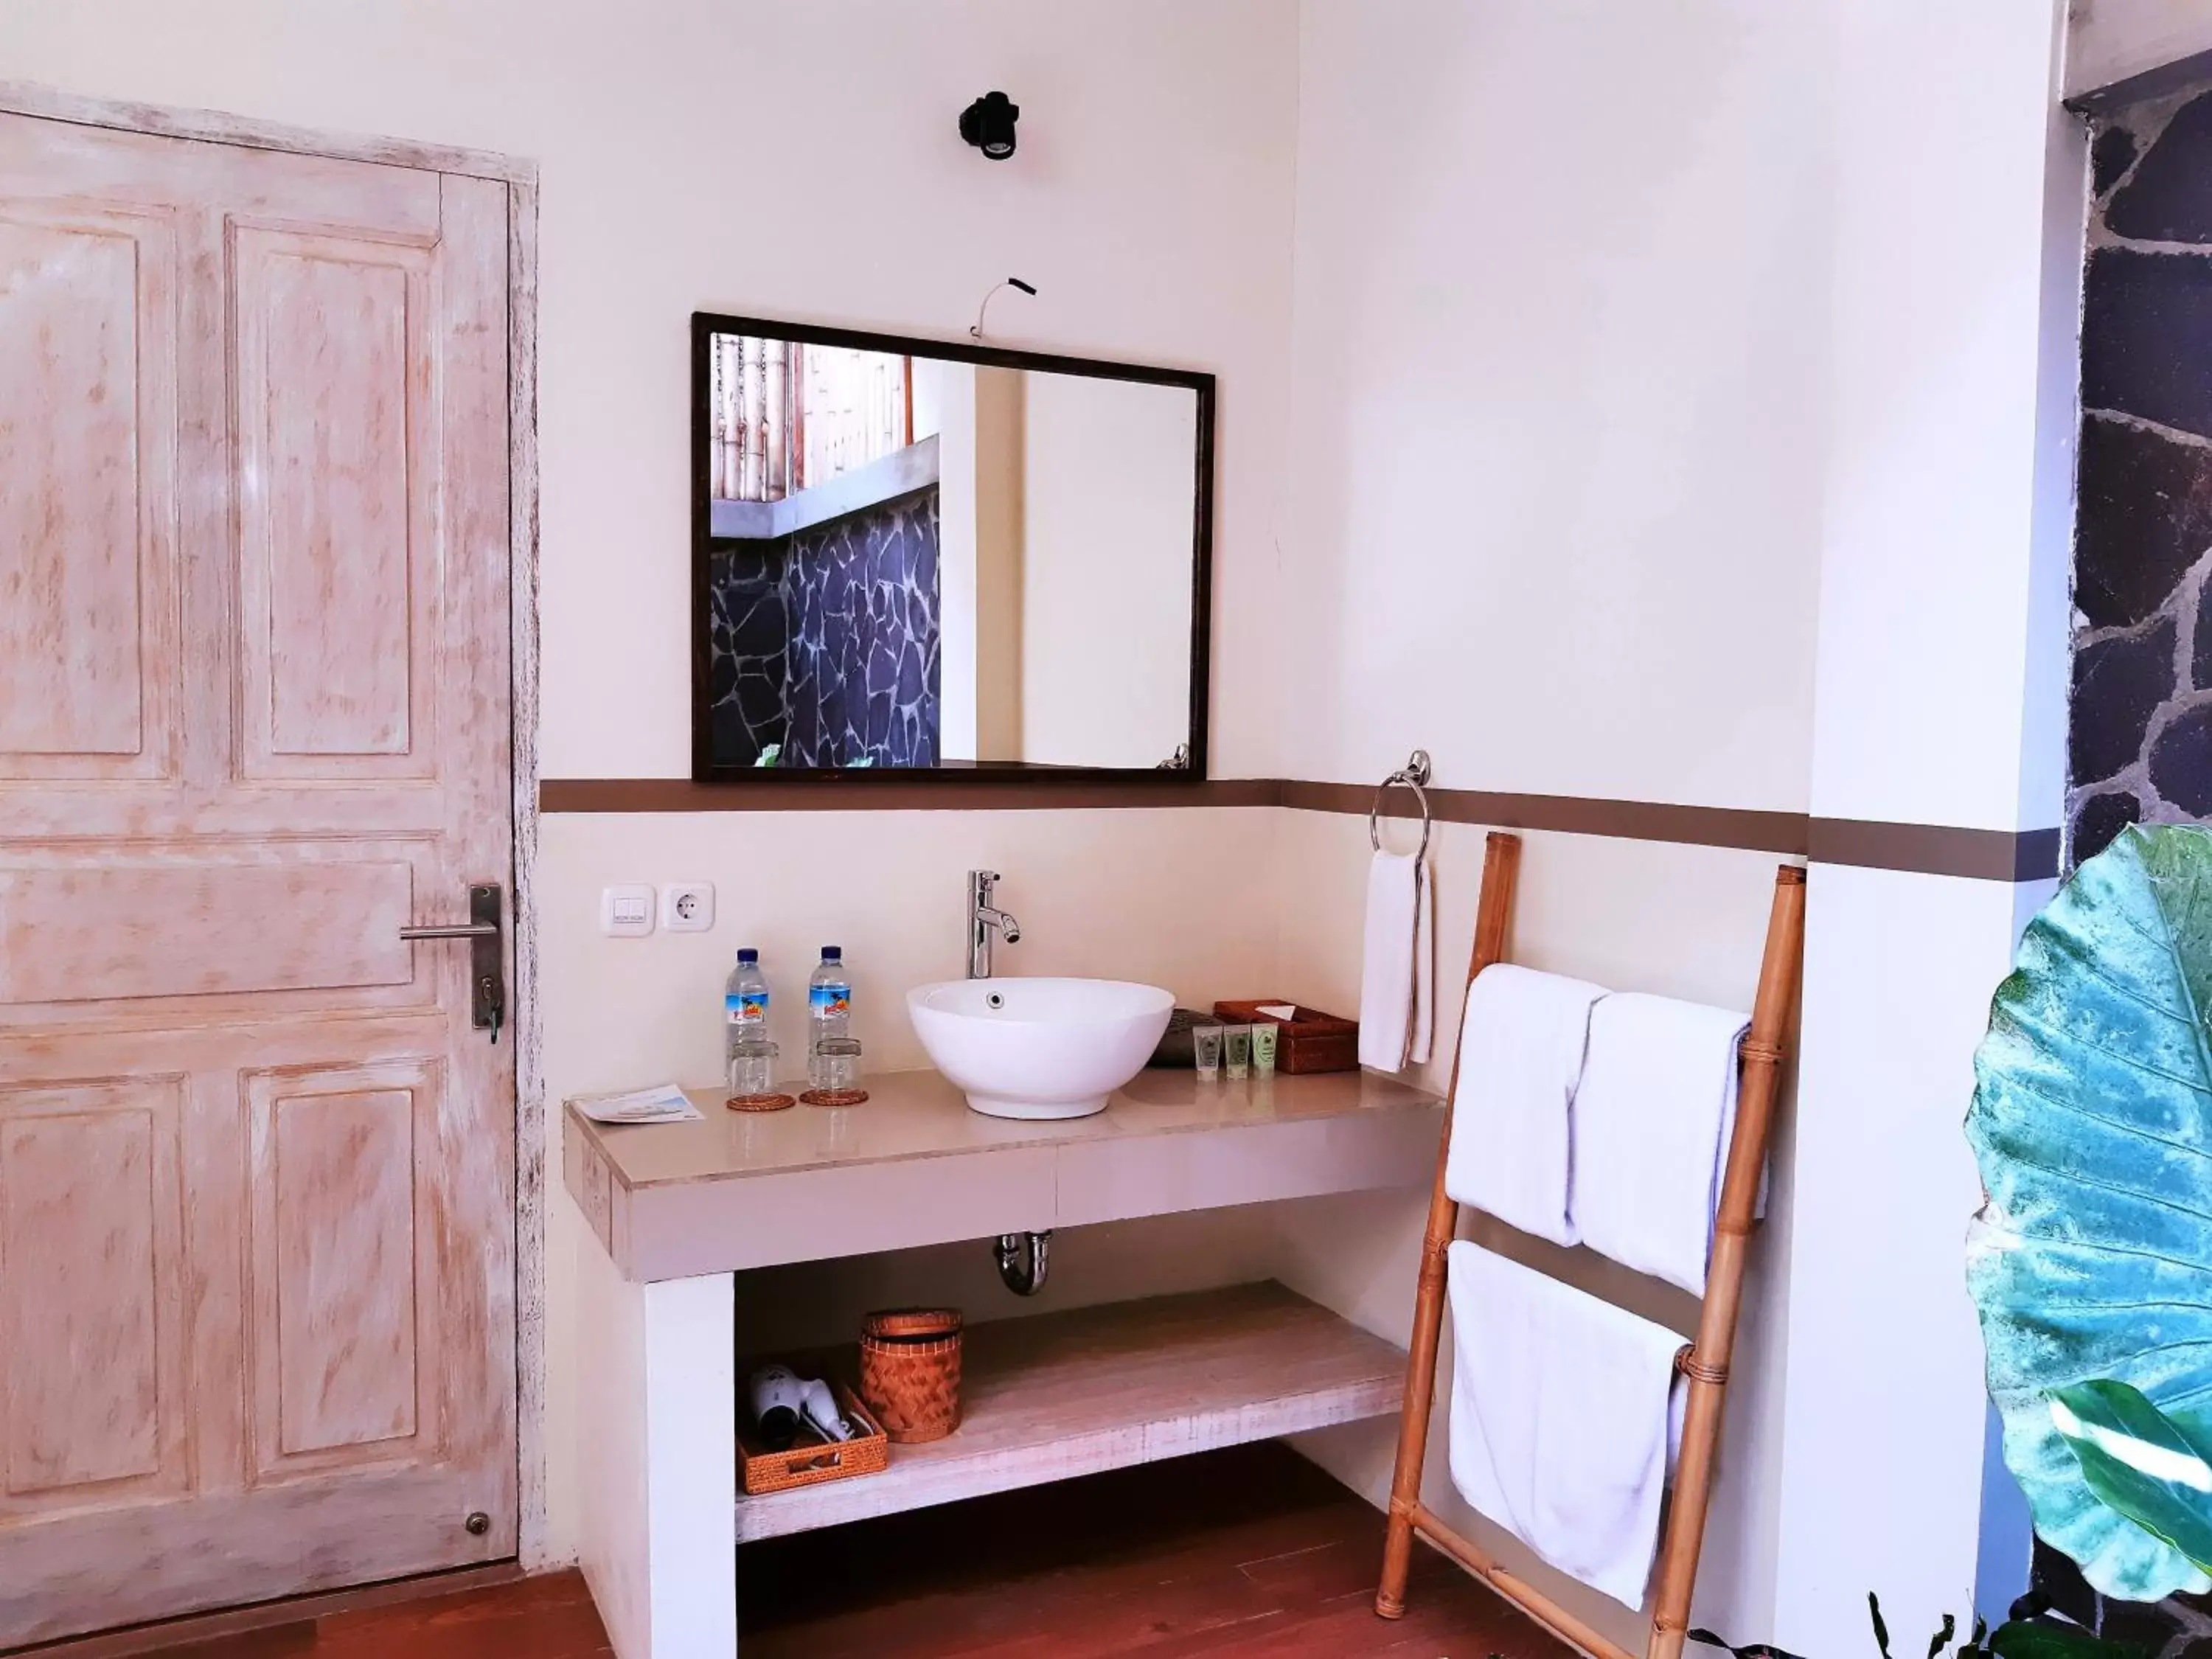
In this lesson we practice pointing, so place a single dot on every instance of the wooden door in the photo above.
(257, 1275)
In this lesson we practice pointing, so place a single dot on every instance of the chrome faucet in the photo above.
(983, 918)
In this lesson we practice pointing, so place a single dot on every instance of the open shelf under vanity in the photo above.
(1063, 1395)
(673, 1214)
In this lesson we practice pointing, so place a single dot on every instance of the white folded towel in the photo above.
(1520, 1047)
(1652, 1122)
(1397, 967)
(1560, 1419)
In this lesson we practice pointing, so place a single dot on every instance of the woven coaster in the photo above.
(759, 1102)
(834, 1097)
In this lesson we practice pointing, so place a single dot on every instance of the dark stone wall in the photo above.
(2139, 740)
(748, 627)
(827, 641)
(2139, 736)
(863, 674)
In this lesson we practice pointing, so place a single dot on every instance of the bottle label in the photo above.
(830, 1001)
(746, 1007)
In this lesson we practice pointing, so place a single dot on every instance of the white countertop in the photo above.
(914, 1165)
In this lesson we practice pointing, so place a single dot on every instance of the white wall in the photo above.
(1957, 247)
(1932, 436)
(1553, 500)
(1109, 497)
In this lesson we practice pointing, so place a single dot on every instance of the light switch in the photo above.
(687, 907)
(626, 911)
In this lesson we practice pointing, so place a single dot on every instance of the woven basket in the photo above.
(911, 1372)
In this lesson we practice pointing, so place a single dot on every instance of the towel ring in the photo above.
(1412, 775)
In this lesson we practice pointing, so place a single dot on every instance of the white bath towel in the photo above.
(1560, 1419)
(1652, 1122)
(1520, 1047)
(1397, 965)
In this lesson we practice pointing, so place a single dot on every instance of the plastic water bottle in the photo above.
(744, 1005)
(829, 1000)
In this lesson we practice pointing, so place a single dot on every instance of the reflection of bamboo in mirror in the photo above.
(776, 420)
(783, 418)
(718, 440)
(752, 483)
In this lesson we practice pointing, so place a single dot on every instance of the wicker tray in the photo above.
(812, 1461)
(1310, 1041)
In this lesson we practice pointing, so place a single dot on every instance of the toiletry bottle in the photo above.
(828, 1003)
(744, 1004)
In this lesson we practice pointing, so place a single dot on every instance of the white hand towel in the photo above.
(1560, 1419)
(1397, 967)
(1652, 1122)
(1520, 1051)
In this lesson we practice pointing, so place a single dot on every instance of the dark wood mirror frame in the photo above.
(705, 326)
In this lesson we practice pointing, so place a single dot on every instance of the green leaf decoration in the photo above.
(2092, 1121)
(2140, 1462)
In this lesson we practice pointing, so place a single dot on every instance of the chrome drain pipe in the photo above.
(1023, 1269)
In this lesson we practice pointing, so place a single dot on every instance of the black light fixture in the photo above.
(988, 124)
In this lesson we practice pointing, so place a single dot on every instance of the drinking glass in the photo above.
(752, 1067)
(834, 1065)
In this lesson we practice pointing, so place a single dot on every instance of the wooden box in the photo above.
(1310, 1041)
(810, 1461)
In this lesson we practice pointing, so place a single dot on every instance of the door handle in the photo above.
(487, 973)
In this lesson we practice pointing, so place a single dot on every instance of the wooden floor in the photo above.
(1240, 1553)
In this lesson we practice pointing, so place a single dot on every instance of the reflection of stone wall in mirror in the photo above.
(1110, 485)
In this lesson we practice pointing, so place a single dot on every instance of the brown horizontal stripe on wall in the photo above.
(1931, 849)
(1579, 814)
(886, 791)
(1937, 849)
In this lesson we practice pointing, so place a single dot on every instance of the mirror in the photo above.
(910, 555)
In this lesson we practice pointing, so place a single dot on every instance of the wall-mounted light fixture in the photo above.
(1011, 282)
(988, 124)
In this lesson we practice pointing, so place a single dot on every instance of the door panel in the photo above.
(222, 907)
(340, 488)
(257, 1169)
(344, 1239)
(90, 1224)
(88, 495)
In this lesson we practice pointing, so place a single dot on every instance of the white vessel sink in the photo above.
(1039, 1048)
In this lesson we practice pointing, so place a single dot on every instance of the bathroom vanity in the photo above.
(677, 1210)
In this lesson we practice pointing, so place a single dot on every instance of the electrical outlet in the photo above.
(687, 907)
(626, 911)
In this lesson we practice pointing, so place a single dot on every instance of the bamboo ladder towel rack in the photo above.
(1705, 1362)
